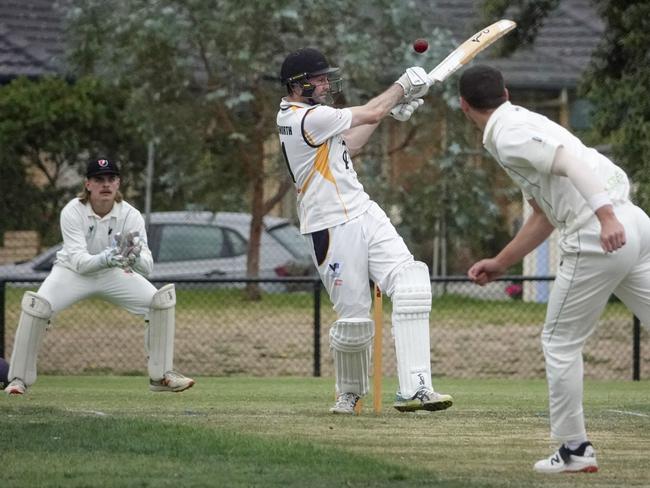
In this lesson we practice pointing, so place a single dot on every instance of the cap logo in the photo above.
(102, 163)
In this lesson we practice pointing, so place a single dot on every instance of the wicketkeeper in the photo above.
(104, 255)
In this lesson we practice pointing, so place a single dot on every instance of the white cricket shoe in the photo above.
(16, 387)
(565, 460)
(171, 381)
(345, 403)
(423, 399)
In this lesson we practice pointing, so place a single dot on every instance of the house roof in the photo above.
(31, 38)
(557, 59)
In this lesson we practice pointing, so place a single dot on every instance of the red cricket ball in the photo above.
(420, 45)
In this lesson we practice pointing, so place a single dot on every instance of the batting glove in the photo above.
(403, 111)
(415, 83)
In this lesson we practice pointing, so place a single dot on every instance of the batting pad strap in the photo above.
(36, 306)
(351, 344)
(411, 306)
(412, 290)
(164, 298)
(351, 335)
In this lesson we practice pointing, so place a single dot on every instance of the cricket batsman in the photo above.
(352, 239)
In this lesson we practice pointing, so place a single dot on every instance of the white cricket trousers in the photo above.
(64, 287)
(349, 255)
(586, 277)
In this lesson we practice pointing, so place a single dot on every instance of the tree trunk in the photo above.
(257, 215)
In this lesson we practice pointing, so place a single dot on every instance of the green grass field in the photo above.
(262, 432)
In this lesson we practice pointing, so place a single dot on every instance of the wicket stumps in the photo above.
(377, 374)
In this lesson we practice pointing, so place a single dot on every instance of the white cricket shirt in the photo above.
(328, 190)
(524, 144)
(86, 234)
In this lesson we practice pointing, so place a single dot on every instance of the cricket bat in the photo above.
(464, 53)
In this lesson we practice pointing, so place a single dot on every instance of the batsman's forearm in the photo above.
(376, 109)
(388, 99)
(535, 230)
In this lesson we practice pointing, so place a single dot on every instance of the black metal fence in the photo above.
(476, 332)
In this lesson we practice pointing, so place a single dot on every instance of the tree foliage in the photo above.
(617, 85)
(528, 14)
(48, 128)
(210, 69)
(202, 78)
(616, 82)
(460, 193)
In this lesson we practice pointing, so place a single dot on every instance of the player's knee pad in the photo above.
(34, 318)
(159, 335)
(411, 306)
(351, 344)
(412, 294)
(164, 298)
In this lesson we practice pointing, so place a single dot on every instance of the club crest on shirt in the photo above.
(334, 269)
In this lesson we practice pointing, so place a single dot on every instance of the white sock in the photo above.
(573, 445)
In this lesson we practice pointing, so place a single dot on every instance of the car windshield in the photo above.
(290, 237)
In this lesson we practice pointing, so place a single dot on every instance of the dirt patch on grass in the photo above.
(99, 338)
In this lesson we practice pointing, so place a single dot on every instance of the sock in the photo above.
(575, 444)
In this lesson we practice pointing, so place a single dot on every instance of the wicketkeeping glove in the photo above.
(403, 111)
(130, 247)
(111, 257)
(415, 83)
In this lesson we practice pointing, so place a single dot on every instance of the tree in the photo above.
(210, 68)
(616, 81)
(529, 15)
(459, 192)
(48, 129)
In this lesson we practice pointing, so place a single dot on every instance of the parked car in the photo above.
(190, 245)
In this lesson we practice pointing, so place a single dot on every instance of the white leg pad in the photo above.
(35, 315)
(411, 307)
(351, 344)
(159, 336)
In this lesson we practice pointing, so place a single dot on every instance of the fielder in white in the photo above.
(604, 243)
(104, 254)
(353, 239)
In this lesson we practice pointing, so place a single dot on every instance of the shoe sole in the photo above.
(341, 412)
(14, 392)
(586, 469)
(162, 389)
(567, 470)
(434, 407)
(416, 405)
